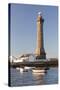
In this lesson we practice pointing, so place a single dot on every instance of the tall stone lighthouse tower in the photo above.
(40, 52)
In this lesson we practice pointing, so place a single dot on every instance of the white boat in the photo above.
(17, 68)
(28, 68)
(38, 74)
(21, 70)
(38, 70)
(25, 69)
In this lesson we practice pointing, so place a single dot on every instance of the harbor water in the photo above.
(29, 78)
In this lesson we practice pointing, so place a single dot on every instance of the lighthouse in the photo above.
(40, 52)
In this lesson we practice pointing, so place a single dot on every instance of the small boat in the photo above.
(17, 68)
(38, 74)
(21, 70)
(39, 70)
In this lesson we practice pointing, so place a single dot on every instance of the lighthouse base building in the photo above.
(40, 54)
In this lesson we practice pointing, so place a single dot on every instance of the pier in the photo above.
(53, 63)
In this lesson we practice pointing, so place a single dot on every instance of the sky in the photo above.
(24, 29)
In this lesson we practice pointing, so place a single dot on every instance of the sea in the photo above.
(29, 78)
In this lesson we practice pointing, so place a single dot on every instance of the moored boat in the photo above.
(39, 70)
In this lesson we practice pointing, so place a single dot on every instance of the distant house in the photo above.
(21, 59)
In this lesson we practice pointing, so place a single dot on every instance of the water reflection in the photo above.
(31, 78)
